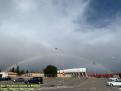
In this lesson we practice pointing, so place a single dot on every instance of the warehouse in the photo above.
(74, 72)
(3, 74)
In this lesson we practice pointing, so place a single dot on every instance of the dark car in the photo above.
(5, 78)
(19, 80)
(0, 78)
(35, 80)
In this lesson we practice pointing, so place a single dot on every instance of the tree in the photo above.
(21, 72)
(50, 71)
(27, 71)
(12, 70)
(120, 75)
(18, 71)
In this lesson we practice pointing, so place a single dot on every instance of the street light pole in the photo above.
(62, 53)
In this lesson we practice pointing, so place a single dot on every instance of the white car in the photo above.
(114, 83)
(113, 79)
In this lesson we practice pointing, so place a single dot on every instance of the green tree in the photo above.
(21, 72)
(50, 71)
(120, 75)
(27, 71)
(12, 70)
(17, 70)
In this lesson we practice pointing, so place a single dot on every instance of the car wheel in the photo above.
(26, 82)
(111, 85)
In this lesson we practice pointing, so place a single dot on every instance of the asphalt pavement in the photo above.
(74, 84)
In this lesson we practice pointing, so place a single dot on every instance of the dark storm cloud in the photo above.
(103, 12)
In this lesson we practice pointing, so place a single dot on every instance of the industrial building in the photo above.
(3, 74)
(34, 74)
(74, 72)
(7, 74)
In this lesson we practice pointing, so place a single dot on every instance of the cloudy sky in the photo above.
(73, 33)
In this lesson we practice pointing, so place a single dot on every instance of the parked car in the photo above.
(35, 80)
(19, 80)
(113, 79)
(114, 83)
(5, 78)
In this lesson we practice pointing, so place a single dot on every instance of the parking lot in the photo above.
(91, 84)
(72, 84)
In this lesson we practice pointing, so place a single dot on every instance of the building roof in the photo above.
(72, 70)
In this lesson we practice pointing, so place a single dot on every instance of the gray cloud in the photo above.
(32, 28)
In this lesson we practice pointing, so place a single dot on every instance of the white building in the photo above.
(34, 74)
(74, 72)
(3, 74)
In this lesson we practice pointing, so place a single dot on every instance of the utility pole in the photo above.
(61, 54)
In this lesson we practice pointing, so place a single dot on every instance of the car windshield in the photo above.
(118, 81)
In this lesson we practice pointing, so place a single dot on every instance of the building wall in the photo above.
(34, 75)
(72, 70)
(12, 74)
(64, 75)
(75, 72)
(4, 74)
